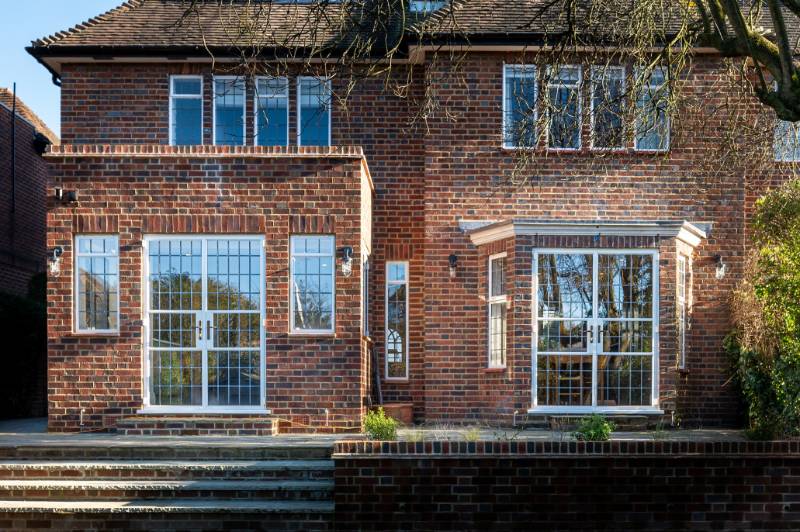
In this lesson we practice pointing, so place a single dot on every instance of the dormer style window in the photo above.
(519, 106)
(313, 111)
(608, 107)
(564, 108)
(185, 110)
(272, 111)
(652, 119)
(229, 111)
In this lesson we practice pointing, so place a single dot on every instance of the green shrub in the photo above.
(594, 428)
(379, 426)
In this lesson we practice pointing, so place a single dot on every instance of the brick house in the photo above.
(244, 249)
(23, 189)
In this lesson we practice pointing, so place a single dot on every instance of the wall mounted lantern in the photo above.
(722, 268)
(55, 260)
(347, 261)
(453, 259)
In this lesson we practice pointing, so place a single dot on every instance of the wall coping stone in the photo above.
(450, 449)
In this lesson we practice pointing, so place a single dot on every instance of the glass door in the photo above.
(204, 341)
(595, 330)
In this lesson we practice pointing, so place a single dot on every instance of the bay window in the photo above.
(96, 283)
(396, 320)
(312, 292)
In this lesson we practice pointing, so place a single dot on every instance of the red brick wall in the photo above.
(575, 486)
(22, 233)
(133, 196)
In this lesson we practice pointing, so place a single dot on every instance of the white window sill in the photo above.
(200, 410)
(645, 410)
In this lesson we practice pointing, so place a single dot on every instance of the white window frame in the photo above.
(386, 321)
(214, 107)
(76, 328)
(293, 329)
(257, 96)
(495, 300)
(147, 407)
(599, 70)
(327, 82)
(557, 83)
(527, 71)
(650, 86)
(682, 278)
(173, 97)
(653, 408)
(782, 132)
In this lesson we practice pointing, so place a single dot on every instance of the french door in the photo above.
(595, 330)
(204, 310)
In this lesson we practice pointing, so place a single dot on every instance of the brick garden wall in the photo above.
(567, 486)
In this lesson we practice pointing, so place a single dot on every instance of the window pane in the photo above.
(497, 334)
(564, 111)
(396, 322)
(564, 380)
(187, 86)
(520, 107)
(97, 270)
(272, 119)
(652, 123)
(608, 103)
(625, 286)
(177, 377)
(624, 380)
(229, 111)
(187, 117)
(498, 281)
(313, 283)
(787, 141)
(627, 337)
(562, 336)
(314, 107)
(234, 378)
(565, 286)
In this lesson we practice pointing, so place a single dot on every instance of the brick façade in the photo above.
(426, 179)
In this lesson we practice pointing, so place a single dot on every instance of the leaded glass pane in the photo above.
(314, 106)
(229, 95)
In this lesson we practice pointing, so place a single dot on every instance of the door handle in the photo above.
(199, 329)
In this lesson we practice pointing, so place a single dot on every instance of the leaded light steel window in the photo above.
(786, 144)
(396, 320)
(652, 118)
(272, 115)
(186, 110)
(564, 108)
(498, 305)
(596, 317)
(229, 110)
(681, 297)
(313, 111)
(608, 107)
(312, 284)
(519, 106)
(97, 283)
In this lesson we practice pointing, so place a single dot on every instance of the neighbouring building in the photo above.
(247, 248)
(23, 189)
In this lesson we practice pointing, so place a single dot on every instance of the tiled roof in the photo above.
(7, 100)
(143, 24)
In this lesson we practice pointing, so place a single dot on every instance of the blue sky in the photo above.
(24, 21)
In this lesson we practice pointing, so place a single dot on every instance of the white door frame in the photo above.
(594, 322)
(203, 314)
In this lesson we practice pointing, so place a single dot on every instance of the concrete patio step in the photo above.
(80, 489)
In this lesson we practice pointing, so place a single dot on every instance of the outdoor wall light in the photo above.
(55, 260)
(347, 261)
(453, 259)
(722, 268)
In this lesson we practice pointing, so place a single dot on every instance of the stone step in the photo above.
(136, 506)
(151, 425)
(204, 449)
(168, 469)
(79, 489)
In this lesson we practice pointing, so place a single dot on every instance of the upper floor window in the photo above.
(229, 110)
(272, 111)
(186, 110)
(787, 141)
(608, 107)
(564, 108)
(313, 111)
(652, 119)
(396, 320)
(425, 6)
(497, 311)
(519, 106)
(312, 284)
(96, 283)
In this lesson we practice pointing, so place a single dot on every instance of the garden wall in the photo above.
(570, 485)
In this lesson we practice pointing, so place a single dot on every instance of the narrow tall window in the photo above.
(787, 141)
(396, 320)
(97, 284)
(498, 304)
(682, 316)
(312, 284)
(564, 108)
(608, 107)
(186, 110)
(272, 116)
(313, 111)
(365, 266)
(229, 94)
(652, 119)
(519, 106)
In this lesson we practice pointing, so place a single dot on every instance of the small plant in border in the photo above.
(594, 428)
(379, 426)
